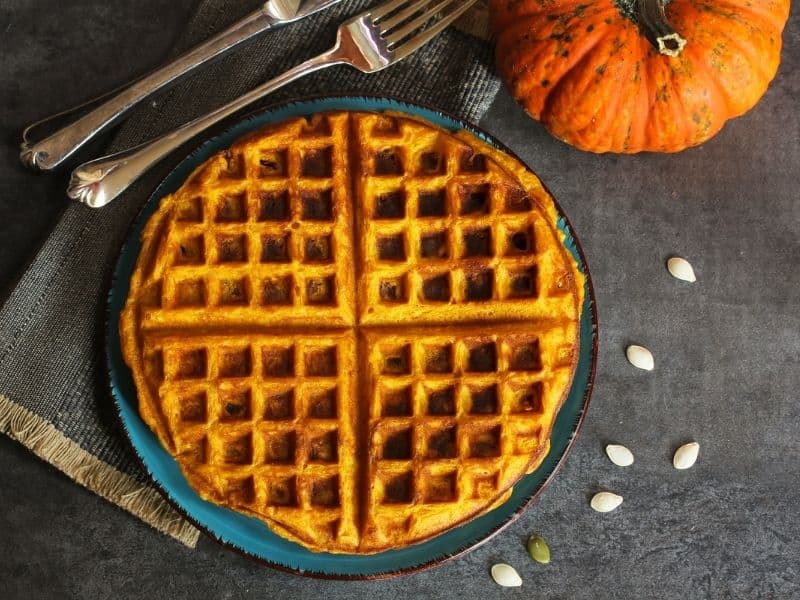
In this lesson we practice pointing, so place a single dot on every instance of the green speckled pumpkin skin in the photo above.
(595, 81)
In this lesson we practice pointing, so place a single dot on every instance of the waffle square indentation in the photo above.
(397, 402)
(436, 288)
(194, 407)
(275, 248)
(482, 358)
(323, 404)
(235, 362)
(317, 205)
(388, 162)
(439, 358)
(278, 405)
(528, 399)
(277, 290)
(432, 203)
(321, 290)
(480, 285)
(442, 444)
(484, 400)
(442, 401)
(393, 290)
(324, 448)
(282, 491)
(273, 163)
(318, 249)
(434, 245)
(279, 447)
(235, 404)
(240, 490)
(321, 362)
(325, 492)
(398, 445)
(190, 210)
(440, 488)
(392, 248)
(273, 206)
(526, 356)
(470, 162)
(231, 248)
(278, 361)
(520, 242)
(485, 443)
(474, 199)
(191, 364)
(317, 163)
(190, 292)
(234, 292)
(523, 283)
(431, 163)
(391, 205)
(233, 166)
(517, 200)
(232, 208)
(238, 450)
(396, 360)
(191, 251)
(478, 242)
(399, 489)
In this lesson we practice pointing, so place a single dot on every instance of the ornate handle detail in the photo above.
(50, 152)
(98, 182)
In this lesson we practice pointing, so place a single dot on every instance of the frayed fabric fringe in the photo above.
(49, 444)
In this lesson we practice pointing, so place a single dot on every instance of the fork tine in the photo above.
(434, 6)
(399, 17)
(423, 36)
(385, 8)
(427, 35)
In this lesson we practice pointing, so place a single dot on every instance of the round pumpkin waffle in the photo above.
(358, 328)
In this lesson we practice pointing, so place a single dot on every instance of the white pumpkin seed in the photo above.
(505, 575)
(605, 501)
(686, 455)
(640, 357)
(680, 268)
(619, 455)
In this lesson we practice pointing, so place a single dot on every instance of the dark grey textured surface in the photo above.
(727, 352)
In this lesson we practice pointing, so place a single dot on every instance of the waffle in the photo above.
(357, 327)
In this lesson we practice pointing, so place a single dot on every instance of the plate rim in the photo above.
(208, 138)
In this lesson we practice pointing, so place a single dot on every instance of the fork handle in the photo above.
(50, 152)
(98, 182)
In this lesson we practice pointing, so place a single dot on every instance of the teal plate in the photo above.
(250, 536)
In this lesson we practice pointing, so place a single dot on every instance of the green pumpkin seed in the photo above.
(538, 549)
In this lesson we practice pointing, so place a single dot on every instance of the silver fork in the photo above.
(48, 153)
(370, 42)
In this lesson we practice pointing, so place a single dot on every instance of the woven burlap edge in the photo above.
(49, 444)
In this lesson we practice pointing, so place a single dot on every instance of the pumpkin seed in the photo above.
(538, 549)
(605, 501)
(680, 268)
(686, 455)
(640, 357)
(505, 575)
(619, 455)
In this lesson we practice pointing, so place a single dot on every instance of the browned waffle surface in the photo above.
(358, 328)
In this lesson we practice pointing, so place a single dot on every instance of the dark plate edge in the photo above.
(577, 426)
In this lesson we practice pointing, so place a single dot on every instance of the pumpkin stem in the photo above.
(653, 23)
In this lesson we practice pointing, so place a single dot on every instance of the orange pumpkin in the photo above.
(632, 75)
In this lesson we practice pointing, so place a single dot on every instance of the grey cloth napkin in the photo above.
(53, 388)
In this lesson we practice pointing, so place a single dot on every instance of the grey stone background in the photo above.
(727, 351)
